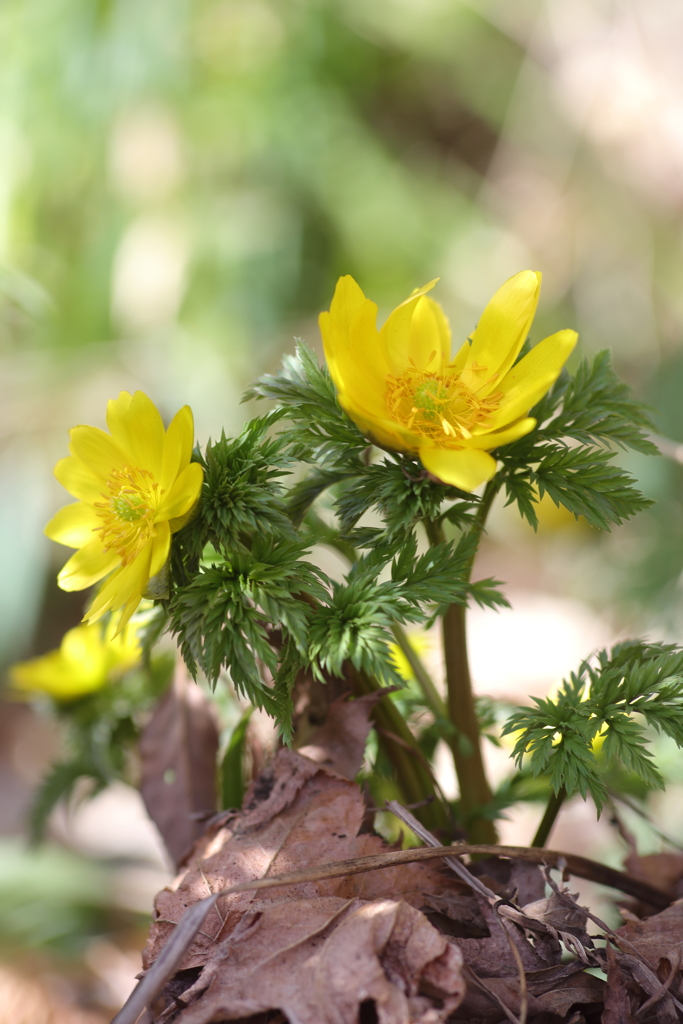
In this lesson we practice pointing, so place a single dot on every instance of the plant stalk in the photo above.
(475, 791)
(412, 773)
(548, 819)
(429, 691)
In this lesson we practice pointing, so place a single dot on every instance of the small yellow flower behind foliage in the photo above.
(136, 487)
(87, 660)
(405, 392)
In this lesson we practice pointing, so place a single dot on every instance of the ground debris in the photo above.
(417, 943)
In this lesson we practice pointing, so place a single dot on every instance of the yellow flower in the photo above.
(87, 660)
(136, 487)
(404, 391)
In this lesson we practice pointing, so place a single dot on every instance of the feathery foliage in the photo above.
(582, 422)
(600, 700)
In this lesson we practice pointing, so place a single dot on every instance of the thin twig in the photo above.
(407, 818)
(166, 964)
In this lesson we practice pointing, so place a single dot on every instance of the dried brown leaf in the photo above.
(296, 815)
(558, 914)
(511, 877)
(340, 743)
(556, 999)
(320, 960)
(178, 754)
(618, 1008)
(655, 937)
(663, 870)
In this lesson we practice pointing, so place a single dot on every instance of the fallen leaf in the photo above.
(511, 877)
(340, 743)
(656, 936)
(554, 911)
(663, 870)
(319, 961)
(543, 999)
(178, 753)
(618, 1009)
(296, 814)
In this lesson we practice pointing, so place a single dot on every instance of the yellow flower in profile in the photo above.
(136, 487)
(88, 658)
(406, 393)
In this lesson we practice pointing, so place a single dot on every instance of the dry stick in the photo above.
(583, 867)
(475, 883)
(185, 931)
(166, 964)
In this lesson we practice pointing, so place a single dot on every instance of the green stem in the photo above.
(413, 775)
(548, 819)
(429, 691)
(475, 791)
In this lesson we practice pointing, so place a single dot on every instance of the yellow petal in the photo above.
(528, 381)
(457, 364)
(378, 428)
(395, 335)
(465, 469)
(161, 545)
(347, 300)
(418, 292)
(138, 429)
(73, 525)
(429, 341)
(98, 450)
(56, 676)
(87, 566)
(116, 412)
(355, 356)
(123, 587)
(501, 332)
(183, 494)
(129, 608)
(496, 438)
(177, 447)
(79, 480)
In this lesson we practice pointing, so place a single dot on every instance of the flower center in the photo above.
(127, 511)
(438, 406)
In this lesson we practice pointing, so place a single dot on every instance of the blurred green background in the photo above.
(182, 181)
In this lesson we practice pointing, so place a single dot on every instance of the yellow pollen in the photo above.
(438, 406)
(127, 511)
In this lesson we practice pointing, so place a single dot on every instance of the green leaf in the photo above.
(304, 391)
(232, 766)
(634, 678)
(242, 490)
(580, 424)
(230, 614)
(402, 491)
(58, 784)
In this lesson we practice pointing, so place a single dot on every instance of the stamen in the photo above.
(127, 511)
(438, 406)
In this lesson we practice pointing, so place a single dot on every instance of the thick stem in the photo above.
(412, 772)
(548, 819)
(475, 791)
